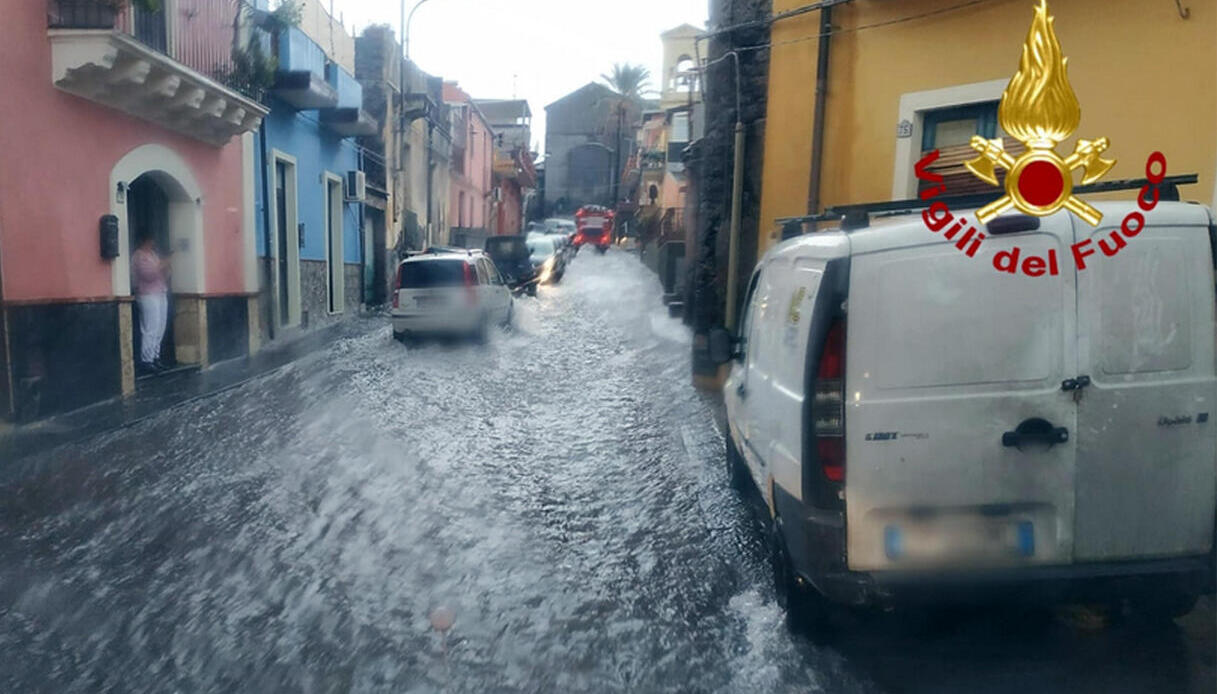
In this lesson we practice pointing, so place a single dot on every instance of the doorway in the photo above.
(286, 249)
(148, 218)
(333, 235)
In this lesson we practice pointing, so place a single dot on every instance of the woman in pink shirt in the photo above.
(152, 296)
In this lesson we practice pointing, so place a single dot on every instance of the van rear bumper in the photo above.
(1096, 582)
(817, 547)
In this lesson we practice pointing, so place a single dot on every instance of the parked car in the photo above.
(563, 242)
(546, 259)
(510, 254)
(561, 224)
(449, 294)
(1049, 432)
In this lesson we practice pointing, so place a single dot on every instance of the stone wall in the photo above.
(314, 293)
(711, 163)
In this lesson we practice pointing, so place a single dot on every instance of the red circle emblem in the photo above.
(1040, 183)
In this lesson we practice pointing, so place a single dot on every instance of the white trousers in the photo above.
(153, 317)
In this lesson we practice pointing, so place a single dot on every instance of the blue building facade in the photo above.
(309, 188)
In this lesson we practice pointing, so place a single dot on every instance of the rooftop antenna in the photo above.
(513, 86)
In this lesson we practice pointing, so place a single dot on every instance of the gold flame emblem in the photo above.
(1040, 109)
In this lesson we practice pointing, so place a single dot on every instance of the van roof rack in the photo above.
(858, 216)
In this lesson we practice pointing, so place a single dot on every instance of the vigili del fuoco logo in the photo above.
(1040, 109)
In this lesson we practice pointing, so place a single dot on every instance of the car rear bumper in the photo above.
(430, 323)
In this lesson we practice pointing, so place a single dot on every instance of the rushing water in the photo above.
(557, 493)
(558, 496)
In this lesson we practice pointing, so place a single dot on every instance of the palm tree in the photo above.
(630, 81)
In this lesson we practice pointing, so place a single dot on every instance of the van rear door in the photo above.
(1146, 432)
(953, 378)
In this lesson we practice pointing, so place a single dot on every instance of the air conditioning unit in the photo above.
(356, 186)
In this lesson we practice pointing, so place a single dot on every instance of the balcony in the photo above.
(302, 78)
(126, 60)
(349, 122)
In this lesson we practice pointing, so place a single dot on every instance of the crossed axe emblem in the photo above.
(1038, 181)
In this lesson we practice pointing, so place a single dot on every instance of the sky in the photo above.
(538, 50)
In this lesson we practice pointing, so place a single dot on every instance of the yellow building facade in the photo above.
(909, 76)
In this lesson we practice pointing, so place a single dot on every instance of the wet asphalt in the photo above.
(546, 513)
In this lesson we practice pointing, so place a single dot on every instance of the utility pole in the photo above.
(615, 182)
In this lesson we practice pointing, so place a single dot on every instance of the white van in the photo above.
(920, 424)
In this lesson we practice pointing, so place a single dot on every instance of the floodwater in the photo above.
(548, 513)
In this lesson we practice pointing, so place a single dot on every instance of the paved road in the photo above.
(558, 493)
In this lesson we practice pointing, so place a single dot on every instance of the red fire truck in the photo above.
(594, 225)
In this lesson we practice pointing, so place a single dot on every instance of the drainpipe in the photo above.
(270, 268)
(817, 132)
(366, 262)
(430, 174)
(737, 194)
(737, 203)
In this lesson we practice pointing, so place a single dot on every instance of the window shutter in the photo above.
(957, 179)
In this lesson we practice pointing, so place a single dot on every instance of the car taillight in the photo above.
(471, 282)
(829, 404)
(397, 287)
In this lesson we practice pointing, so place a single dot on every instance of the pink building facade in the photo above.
(110, 134)
(471, 187)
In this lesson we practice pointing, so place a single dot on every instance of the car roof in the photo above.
(908, 230)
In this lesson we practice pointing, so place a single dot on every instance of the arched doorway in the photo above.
(155, 193)
(148, 219)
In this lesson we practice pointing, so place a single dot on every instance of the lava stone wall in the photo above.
(712, 161)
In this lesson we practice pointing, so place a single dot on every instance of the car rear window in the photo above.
(540, 246)
(506, 248)
(432, 273)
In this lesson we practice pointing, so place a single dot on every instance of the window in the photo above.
(745, 323)
(680, 127)
(955, 126)
(684, 77)
(950, 130)
(930, 105)
(483, 276)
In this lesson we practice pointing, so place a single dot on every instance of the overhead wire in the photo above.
(844, 30)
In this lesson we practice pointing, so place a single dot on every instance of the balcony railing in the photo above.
(80, 14)
(175, 67)
(203, 33)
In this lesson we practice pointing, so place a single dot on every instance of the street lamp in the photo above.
(405, 90)
(405, 24)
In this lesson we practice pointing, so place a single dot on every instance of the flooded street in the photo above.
(558, 495)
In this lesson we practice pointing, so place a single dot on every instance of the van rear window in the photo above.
(944, 319)
(432, 273)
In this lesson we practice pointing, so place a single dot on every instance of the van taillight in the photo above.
(829, 404)
(397, 287)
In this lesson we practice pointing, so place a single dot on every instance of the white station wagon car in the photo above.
(449, 294)
(923, 423)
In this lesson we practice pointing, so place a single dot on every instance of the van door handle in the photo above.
(1075, 383)
(1035, 431)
